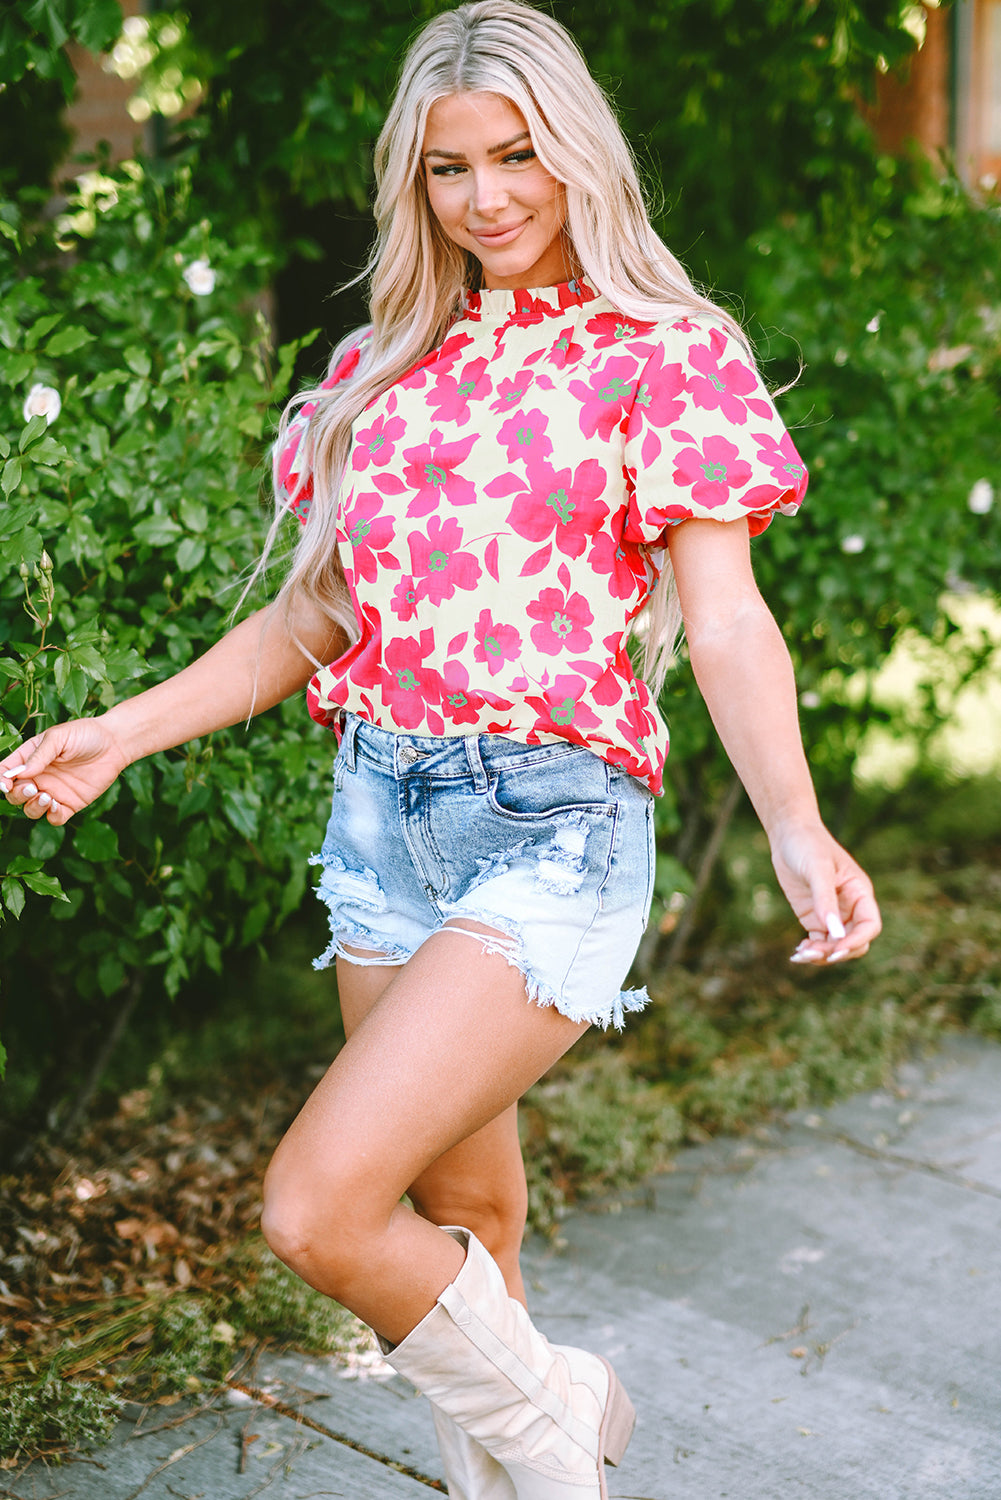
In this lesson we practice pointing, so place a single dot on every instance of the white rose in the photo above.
(853, 543)
(43, 401)
(981, 497)
(810, 699)
(873, 324)
(200, 277)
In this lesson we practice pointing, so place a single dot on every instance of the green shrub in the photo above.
(126, 528)
(37, 1415)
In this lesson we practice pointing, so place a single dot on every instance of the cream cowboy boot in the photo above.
(551, 1416)
(470, 1472)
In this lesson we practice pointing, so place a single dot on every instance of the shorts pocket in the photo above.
(549, 789)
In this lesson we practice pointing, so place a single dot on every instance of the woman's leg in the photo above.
(449, 1046)
(479, 1183)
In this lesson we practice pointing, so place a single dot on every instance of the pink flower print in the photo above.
(711, 472)
(562, 709)
(563, 352)
(458, 701)
(433, 471)
(622, 561)
(563, 619)
(659, 393)
(613, 329)
(724, 388)
(495, 643)
(524, 437)
(438, 566)
(404, 600)
(377, 444)
(608, 396)
(561, 503)
(452, 393)
(408, 685)
(369, 534)
(510, 392)
(783, 461)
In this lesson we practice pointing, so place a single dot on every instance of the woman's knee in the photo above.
(318, 1224)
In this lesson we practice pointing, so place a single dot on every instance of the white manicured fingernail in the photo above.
(806, 955)
(837, 955)
(4, 786)
(44, 798)
(29, 789)
(835, 927)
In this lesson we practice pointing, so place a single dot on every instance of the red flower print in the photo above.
(659, 394)
(783, 460)
(613, 329)
(438, 566)
(368, 533)
(524, 437)
(561, 503)
(712, 472)
(404, 600)
(495, 643)
(608, 396)
(510, 392)
(561, 708)
(347, 366)
(409, 687)
(452, 393)
(458, 701)
(730, 388)
(432, 470)
(563, 352)
(377, 444)
(623, 562)
(563, 619)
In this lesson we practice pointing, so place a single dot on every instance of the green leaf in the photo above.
(97, 842)
(45, 839)
(11, 477)
(106, 381)
(45, 885)
(39, 329)
(36, 428)
(110, 974)
(4, 445)
(190, 553)
(97, 23)
(136, 396)
(68, 340)
(12, 893)
(157, 531)
(23, 864)
(138, 360)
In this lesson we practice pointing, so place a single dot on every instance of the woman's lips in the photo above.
(501, 236)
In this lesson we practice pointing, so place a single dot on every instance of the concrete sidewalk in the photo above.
(813, 1311)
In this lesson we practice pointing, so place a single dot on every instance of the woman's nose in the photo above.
(489, 193)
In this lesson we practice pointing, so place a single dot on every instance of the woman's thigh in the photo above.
(445, 1050)
(480, 1183)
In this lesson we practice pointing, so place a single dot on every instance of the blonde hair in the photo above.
(418, 275)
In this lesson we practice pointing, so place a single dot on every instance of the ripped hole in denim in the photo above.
(349, 896)
(562, 865)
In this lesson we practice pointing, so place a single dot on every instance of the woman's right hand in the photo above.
(57, 773)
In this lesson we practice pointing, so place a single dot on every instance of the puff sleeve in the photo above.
(294, 490)
(703, 438)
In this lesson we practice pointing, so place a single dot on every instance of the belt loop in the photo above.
(348, 737)
(475, 759)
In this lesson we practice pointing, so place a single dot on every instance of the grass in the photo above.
(142, 1275)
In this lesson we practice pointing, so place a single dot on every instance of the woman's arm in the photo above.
(254, 666)
(744, 673)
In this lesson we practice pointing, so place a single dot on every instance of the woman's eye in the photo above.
(448, 171)
(520, 156)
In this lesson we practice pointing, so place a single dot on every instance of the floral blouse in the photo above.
(502, 516)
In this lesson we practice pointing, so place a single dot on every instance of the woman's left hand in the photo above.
(830, 893)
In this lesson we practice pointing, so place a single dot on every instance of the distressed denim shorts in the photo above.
(549, 845)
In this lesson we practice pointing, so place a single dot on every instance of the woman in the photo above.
(544, 426)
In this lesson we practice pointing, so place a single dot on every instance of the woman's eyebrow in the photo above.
(522, 135)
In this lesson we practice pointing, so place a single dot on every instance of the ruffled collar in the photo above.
(528, 305)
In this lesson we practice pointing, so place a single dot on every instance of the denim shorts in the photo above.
(548, 845)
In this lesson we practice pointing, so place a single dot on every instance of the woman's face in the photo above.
(491, 194)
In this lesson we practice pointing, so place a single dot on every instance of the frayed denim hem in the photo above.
(507, 943)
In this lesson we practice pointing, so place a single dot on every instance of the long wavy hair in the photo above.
(418, 275)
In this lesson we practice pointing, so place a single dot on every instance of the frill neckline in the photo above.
(528, 303)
